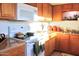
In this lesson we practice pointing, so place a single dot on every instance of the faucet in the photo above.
(8, 31)
(8, 36)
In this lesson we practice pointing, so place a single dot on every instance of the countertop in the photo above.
(12, 43)
(52, 32)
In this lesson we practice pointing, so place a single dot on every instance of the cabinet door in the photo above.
(20, 50)
(74, 44)
(0, 10)
(67, 7)
(32, 4)
(51, 45)
(45, 11)
(57, 13)
(47, 53)
(57, 42)
(64, 43)
(40, 9)
(76, 7)
(8, 11)
(50, 13)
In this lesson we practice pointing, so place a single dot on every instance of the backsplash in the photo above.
(13, 27)
(67, 24)
(38, 26)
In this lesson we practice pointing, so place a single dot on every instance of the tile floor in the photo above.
(56, 54)
(61, 54)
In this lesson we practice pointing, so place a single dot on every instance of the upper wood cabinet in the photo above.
(45, 11)
(71, 7)
(40, 9)
(76, 7)
(32, 4)
(67, 7)
(8, 11)
(0, 10)
(58, 10)
(50, 13)
(57, 13)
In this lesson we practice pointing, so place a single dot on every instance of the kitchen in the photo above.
(50, 27)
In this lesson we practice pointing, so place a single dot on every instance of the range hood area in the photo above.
(26, 12)
(71, 15)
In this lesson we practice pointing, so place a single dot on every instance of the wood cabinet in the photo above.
(67, 7)
(74, 44)
(49, 46)
(8, 11)
(58, 10)
(57, 42)
(57, 13)
(45, 11)
(68, 43)
(32, 4)
(50, 13)
(64, 43)
(71, 7)
(76, 7)
(0, 10)
(40, 9)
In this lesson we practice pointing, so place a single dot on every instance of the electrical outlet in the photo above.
(22, 27)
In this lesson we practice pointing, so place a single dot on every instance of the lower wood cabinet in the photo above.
(64, 43)
(74, 44)
(57, 42)
(68, 43)
(49, 46)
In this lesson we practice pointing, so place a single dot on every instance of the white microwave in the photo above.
(26, 12)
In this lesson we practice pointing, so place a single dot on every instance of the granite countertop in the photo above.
(12, 43)
(51, 35)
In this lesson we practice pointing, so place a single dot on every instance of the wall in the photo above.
(38, 26)
(67, 24)
(14, 26)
